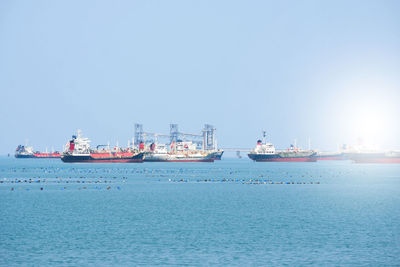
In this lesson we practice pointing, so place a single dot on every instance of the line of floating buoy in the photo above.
(49, 180)
(65, 188)
(242, 181)
(96, 175)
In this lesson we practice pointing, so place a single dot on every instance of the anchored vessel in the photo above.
(27, 152)
(179, 148)
(78, 150)
(375, 157)
(179, 152)
(266, 152)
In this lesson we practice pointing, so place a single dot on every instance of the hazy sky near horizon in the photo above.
(328, 70)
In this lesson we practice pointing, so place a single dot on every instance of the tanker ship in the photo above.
(78, 150)
(27, 152)
(179, 152)
(375, 157)
(266, 152)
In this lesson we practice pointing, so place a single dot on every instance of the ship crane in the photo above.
(191, 135)
(156, 135)
(207, 135)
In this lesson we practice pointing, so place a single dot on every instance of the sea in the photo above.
(232, 212)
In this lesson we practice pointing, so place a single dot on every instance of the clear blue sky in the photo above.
(296, 69)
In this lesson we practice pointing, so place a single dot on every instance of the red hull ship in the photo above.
(114, 157)
(27, 152)
(78, 150)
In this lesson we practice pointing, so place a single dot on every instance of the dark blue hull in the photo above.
(279, 158)
(19, 156)
(218, 155)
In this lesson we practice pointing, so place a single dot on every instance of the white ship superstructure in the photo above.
(78, 145)
(24, 152)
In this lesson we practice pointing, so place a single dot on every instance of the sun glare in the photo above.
(370, 126)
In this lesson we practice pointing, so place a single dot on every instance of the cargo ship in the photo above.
(179, 152)
(78, 150)
(266, 152)
(375, 157)
(330, 156)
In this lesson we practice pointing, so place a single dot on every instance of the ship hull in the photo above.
(375, 158)
(150, 157)
(38, 156)
(278, 158)
(103, 159)
(218, 155)
(179, 160)
(379, 160)
(47, 156)
(19, 156)
(330, 157)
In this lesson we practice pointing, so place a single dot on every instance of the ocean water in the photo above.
(231, 212)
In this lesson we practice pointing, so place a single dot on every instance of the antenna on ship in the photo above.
(295, 143)
(264, 137)
(309, 143)
(138, 133)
